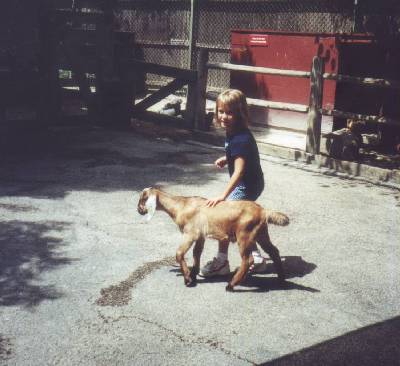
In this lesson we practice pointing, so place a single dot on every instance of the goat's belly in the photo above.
(222, 237)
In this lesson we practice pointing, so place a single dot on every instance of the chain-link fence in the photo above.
(163, 28)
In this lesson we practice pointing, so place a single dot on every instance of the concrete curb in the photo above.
(376, 175)
(349, 169)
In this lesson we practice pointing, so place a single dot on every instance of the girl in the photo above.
(246, 177)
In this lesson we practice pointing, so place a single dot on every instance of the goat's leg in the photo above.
(180, 258)
(197, 250)
(245, 253)
(265, 243)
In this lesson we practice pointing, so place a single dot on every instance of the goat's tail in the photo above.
(277, 218)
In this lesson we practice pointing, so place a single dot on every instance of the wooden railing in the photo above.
(313, 109)
(195, 115)
(181, 77)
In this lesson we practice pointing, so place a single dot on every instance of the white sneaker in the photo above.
(258, 267)
(215, 268)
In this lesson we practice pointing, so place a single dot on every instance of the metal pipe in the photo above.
(192, 34)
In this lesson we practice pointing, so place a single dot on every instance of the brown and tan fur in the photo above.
(241, 221)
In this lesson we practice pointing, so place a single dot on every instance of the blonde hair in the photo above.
(236, 102)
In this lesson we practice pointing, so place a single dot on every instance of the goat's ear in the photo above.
(151, 206)
(160, 187)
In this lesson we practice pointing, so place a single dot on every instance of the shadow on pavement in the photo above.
(51, 162)
(26, 250)
(294, 267)
(377, 344)
(5, 348)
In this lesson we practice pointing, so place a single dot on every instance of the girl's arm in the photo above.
(237, 175)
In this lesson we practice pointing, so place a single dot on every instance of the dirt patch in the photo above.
(120, 295)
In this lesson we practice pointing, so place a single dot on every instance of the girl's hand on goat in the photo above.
(214, 201)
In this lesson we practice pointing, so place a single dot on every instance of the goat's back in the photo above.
(225, 210)
(226, 216)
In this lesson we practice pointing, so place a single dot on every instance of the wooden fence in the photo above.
(181, 77)
(313, 109)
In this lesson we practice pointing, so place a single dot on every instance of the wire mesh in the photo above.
(218, 18)
(162, 28)
(162, 31)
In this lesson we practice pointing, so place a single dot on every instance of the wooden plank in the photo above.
(314, 112)
(361, 117)
(278, 105)
(267, 104)
(152, 5)
(257, 69)
(175, 72)
(383, 83)
(159, 95)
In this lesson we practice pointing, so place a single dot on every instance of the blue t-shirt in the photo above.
(244, 145)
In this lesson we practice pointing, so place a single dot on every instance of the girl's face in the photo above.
(225, 116)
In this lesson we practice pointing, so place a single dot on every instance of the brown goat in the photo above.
(241, 221)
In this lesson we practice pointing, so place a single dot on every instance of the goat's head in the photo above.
(147, 203)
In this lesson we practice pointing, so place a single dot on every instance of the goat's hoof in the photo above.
(229, 288)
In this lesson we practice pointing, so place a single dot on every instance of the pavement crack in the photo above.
(211, 343)
(120, 294)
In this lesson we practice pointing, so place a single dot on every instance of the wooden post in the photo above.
(49, 91)
(315, 105)
(194, 16)
(191, 90)
(125, 73)
(189, 114)
(201, 88)
(105, 73)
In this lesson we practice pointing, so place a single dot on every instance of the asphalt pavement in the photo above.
(85, 280)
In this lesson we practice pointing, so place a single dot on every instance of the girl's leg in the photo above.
(219, 266)
(223, 249)
(259, 264)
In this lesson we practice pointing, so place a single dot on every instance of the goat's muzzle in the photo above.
(147, 204)
(142, 209)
